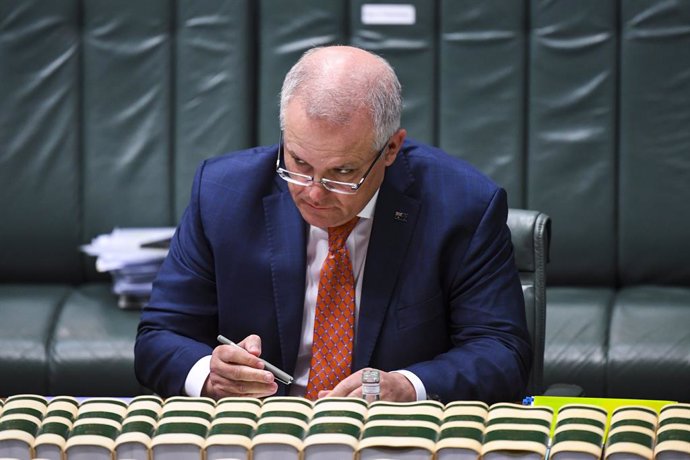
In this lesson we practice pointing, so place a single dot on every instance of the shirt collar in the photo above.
(368, 211)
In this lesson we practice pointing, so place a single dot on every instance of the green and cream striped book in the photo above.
(232, 429)
(401, 430)
(95, 429)
(673, 433)
(20, 421)
(579, 432)
(281, 428)
(179, 437)
(514, 431)
(462, 431)
(92, 438)
(55, 428)
(335, 428)
(138, 427)
(631, 434)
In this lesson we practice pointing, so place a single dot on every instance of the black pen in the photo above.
(281, 376)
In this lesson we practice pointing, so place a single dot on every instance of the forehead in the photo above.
(308, 136)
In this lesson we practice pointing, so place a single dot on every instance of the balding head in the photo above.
(334, 83)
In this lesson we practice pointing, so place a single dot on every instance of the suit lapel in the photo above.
(394, 222)
(287, 248)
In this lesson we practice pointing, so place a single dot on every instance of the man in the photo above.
(426, 289)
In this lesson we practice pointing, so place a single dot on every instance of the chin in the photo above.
(321, 220)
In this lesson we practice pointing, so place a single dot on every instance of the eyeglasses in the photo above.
(346, 188)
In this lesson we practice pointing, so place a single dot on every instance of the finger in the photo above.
(252, 343)
(396, 387)
(228, 365)
(218, 387)
(347, 385)
(231, 354)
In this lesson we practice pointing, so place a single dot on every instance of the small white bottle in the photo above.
(371, 385)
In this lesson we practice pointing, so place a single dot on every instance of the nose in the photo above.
(316, 192)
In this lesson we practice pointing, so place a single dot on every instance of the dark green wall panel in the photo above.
(482, 88)
(654, 207)
(214, 85)
(39, 141)
(127, 89)
(571, 153)
(288, 28)
(410, 49)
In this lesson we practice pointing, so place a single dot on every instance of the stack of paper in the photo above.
(133, 257)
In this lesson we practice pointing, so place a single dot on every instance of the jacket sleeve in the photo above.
(177, 326)
(491, 353)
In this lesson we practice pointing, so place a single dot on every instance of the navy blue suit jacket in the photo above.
(441, 295)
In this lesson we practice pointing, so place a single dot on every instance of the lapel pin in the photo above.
(400, 216)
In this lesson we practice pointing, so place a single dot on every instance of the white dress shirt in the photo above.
(317, 250)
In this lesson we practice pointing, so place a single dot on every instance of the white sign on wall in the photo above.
(388, 14)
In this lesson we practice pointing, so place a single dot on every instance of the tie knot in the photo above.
(338, 235)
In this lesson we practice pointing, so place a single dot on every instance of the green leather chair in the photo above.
(531, 235)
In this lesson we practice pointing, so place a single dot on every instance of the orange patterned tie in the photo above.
(334, 320)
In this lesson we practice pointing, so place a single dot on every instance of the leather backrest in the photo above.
(531, 235)
(482, 108)
(578, 109)
(571, 149)
(654, 177)
(40, 180)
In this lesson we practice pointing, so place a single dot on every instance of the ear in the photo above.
(394, 145)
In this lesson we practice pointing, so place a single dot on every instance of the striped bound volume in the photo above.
(289, 428)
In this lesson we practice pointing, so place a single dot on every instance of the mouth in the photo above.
(315, 207)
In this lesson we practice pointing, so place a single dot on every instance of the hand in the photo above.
(238, 372)
(394, 387)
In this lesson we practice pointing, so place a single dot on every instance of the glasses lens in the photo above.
(339, 187)
(295, 178)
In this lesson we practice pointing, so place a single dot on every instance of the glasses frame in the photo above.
(328, 184)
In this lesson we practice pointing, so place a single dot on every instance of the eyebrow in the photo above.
(334, 168)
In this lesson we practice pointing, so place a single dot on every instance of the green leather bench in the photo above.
(579, 109)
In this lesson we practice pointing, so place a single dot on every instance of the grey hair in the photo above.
(326, 97)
